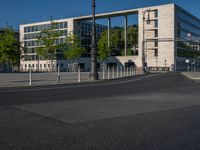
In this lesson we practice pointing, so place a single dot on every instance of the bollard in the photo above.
(117, 72)
(79, 73)
(108, 72)
(121, 71)
(132, 71)
(103, 72)
(113, 72)
(30, 76)
(135, 71)
(58, 75)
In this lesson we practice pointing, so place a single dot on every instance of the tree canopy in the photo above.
(117, 41)
(9, 47)
(47, 42)
(72, 47)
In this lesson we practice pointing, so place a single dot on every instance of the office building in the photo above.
(167, 36)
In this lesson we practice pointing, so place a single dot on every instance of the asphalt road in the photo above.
(153, 112)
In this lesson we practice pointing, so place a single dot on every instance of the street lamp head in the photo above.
(189, 34)
(148, 19)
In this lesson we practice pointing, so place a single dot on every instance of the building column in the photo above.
(125, 34)
(109, 27)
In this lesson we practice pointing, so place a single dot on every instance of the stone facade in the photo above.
(158, 32)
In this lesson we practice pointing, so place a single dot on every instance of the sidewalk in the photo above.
(192, 75)
(22, 79)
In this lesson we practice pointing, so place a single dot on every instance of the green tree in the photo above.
(9, 48)
(132, 35)
(48, 43)
(102, 46)
(117, 38)
(117, 42)
(72, 48)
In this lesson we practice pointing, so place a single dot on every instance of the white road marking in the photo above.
(79, 86)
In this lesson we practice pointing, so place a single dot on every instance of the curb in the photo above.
(75, 84)
(190, 76)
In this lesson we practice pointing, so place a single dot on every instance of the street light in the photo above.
(148, 21)
(187, 61)
(93, 73)
(195, 39)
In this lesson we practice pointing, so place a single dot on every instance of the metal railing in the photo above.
(32, 78)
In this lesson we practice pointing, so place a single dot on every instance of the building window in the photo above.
(156, 33)
(156, 13)
(65, 33)
(26, 29)
(61, 25)
(178, 33)
(156, 23)
(156, 52)
(156, 43)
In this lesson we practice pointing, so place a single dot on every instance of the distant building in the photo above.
(30, 32)
(162, 39)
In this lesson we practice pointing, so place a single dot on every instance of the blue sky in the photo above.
(17, 12)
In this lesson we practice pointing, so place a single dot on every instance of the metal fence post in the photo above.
(132, 71)
(103, 72)
(124, 71)
(79, 73)
(135, 69)
(113, 72)
(30, 76)
(58, 74)
(108, 72)
(121, 71)
(117, 72)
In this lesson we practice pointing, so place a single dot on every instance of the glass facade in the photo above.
(30, 36)
(37, 28)
(188, 28)
(86, 35)
(32, 33)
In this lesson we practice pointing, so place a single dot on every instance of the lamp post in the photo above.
(93, 73)
(148, 21)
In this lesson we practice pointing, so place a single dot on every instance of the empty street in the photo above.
(149, 112)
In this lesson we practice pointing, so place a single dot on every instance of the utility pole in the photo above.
(93, 73)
